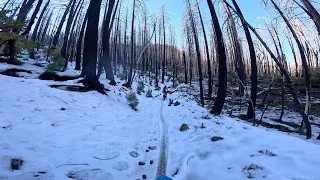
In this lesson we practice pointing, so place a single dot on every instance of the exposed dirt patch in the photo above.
(38, 64)
(13, 72)
(4, 60)
(56, 77)
(72, 88)
(271, 126)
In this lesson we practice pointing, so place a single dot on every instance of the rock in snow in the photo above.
(184, 127)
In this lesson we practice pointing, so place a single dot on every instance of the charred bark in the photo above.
(221, 52)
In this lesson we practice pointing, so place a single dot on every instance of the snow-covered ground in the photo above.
(72, 135)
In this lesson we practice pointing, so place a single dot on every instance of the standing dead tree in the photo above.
(285, 73)
(36, 29)
(254, 72)
(196, 42)
(302, 56)
(207, 52)
(222, 59)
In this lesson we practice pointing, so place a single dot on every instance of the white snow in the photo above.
(101, 137)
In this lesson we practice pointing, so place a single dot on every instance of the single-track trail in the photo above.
(162, 164)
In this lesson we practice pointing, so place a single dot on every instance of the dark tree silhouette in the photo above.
(254, 71)
(222, 59)
(91, 47)
(36, 28)
(33, 18)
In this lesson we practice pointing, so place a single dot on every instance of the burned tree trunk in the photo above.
(79, 43)
(185, 68)
(129, 80)
(222, 58)
(91, 47)
(237, 54)
(303, 58)
(196, 43)
(36, 28)
(24, 11)
(33, 18)
(43, 35)
(254, 71)
(156, 60)
(207, 53)
(67, 32)
(12, 49)
(64, 16)
(294, 57)
(164, 48)
(106, 59)
(312, 11)
(285, 73)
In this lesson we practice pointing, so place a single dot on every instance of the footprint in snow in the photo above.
(256, 171)
(134, 154)
(120, 166)
(96, 174)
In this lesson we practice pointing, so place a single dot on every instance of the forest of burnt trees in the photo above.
(122, 39)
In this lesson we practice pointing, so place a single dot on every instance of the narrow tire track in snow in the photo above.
(162, 165)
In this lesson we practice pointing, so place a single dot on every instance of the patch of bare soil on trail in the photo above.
(72, 88)
(56, 77)
(6, 60)
(275, 126)
(13, 72)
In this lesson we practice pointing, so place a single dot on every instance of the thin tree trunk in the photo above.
(285, 73)
(67, 32)
(106, 59)
(64, 16)
(35, 31)
(128, 83)
(79, 43)
(313, 11)
(12, 49)
(164, 48)
(24, 11)
(185, 68)
(254, 71)
(207, 53)
(303, 59)
(33, 17)
(196, 43)
(46, 28)
(294, 56)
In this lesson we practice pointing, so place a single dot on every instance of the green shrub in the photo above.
(57, 65)
(180, 79)
(140, 88)
(149, 93)
(169, 78)
(132, 100)
(58, 61)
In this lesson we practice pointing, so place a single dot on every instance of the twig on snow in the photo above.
(105, 159)
(94, 128)
(73, 165)
(189, 159)
(60, 99)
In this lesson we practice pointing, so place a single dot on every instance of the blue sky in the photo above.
(252, 10)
